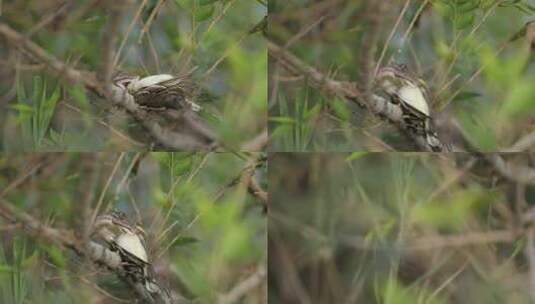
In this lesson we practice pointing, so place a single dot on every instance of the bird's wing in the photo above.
(413, 97)
(172, 93)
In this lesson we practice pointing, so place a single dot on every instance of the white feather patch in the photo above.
(136, 85)
(413, 96)
(132, 243)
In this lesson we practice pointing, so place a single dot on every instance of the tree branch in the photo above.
(109, 39)
(257, 143)
(247, 179)
(516, 173)
(241, 289)
(375, 13)
(523, 143)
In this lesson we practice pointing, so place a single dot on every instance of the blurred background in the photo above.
(399, 228)
(444, 42)
(205, 233)
(213, 40)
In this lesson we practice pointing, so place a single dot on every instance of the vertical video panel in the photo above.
(132, 228)
(401, 228)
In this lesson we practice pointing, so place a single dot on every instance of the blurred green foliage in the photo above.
(390, 227)
(35, 113)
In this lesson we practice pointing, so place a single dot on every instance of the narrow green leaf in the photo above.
(355, 156)
(185, 240)
(21, 107)
(206, 2)
(466, 95)
(204, 12)
(282, 120)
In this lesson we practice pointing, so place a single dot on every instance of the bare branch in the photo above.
(49, 18)
(439, 241)
(52, 62)
(247, 179)
(370, 39)
(109, 40)
(258, 143)
(523, 143)
(240, 290)
(516, 173)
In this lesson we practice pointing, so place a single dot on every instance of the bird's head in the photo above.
(390, 79)
(124, 81)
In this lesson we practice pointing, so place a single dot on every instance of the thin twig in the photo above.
(151, 18)
(128, 31)
(242, 288)
(109, 39)
(103, 123)
(257, 143)
(47, 19)
(392, 32)
(21, 179)
(523, 143)
(516, 173)
(370, 39)
(105, 189)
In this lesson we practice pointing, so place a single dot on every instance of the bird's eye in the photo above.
(124, 82)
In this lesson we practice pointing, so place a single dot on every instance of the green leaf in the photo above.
(466, 95)
(5, 268)
(468, 6)
(21, 107)
(521, 98)
(78, 94)
(312, 112)
(453, 211)
(477, 130)
(56, 255)
(465, 20)
(206, 2)
(204, 12)
(340, 109)
(282, 120)
(185, 240)
(356, 155)
(282, 131)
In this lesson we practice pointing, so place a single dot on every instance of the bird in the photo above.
(411, 94)
(161, 91)
(128, 241)
(171, 102)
